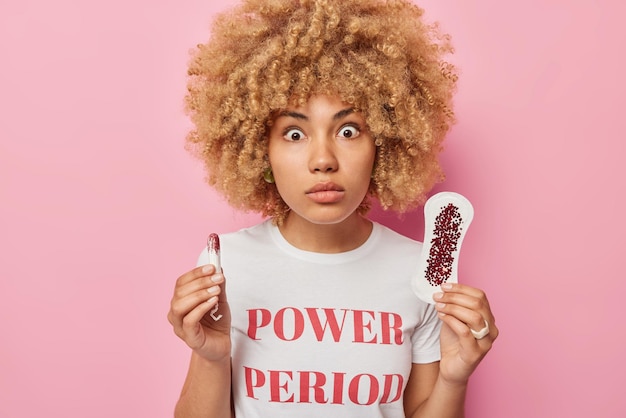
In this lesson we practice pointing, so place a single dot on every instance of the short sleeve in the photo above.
(425, 338)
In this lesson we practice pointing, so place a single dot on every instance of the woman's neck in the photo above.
(346, 235)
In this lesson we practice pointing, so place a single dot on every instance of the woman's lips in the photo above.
(325, 193)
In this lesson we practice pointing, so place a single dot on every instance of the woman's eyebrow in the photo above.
(343, 113)
(291, 114)
(296, 115)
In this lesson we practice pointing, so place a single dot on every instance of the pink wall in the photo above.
(101, 207)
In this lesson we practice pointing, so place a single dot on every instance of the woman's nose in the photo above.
(322, 156)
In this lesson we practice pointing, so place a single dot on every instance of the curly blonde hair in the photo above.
(377, 55)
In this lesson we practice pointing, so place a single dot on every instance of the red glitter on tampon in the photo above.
(444, 243)
(213, 243)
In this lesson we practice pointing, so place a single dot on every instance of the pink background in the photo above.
(101, 207)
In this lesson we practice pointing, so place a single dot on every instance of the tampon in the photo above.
(213, 248)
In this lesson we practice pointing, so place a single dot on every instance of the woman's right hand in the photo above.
(196, 294)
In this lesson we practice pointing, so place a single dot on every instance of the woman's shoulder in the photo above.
(248, 238)
(391, 235)
(250, 232)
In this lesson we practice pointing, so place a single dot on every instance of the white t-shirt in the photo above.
(324, 335)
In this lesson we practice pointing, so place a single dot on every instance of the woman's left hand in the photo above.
(463, 309)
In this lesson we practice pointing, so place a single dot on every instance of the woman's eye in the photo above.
(294, 134)
(349, 132)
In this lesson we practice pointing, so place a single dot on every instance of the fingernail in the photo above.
(437, 295)
(207, 268)
(213, 289)
(441, 305)
(446, 286)
(217, 278)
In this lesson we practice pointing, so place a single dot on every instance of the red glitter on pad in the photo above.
(447, 217)
(447, 233)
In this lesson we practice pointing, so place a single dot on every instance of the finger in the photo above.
(181, 307)
(463, 289)
(193, 318)
(460, 329)
(469, 317)
(471, 350)
(468, 297)
(191, 330)
(203, 282)
(196, 273)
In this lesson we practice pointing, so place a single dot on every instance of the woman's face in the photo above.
(322, 158)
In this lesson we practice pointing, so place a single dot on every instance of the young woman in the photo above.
(303, 111)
